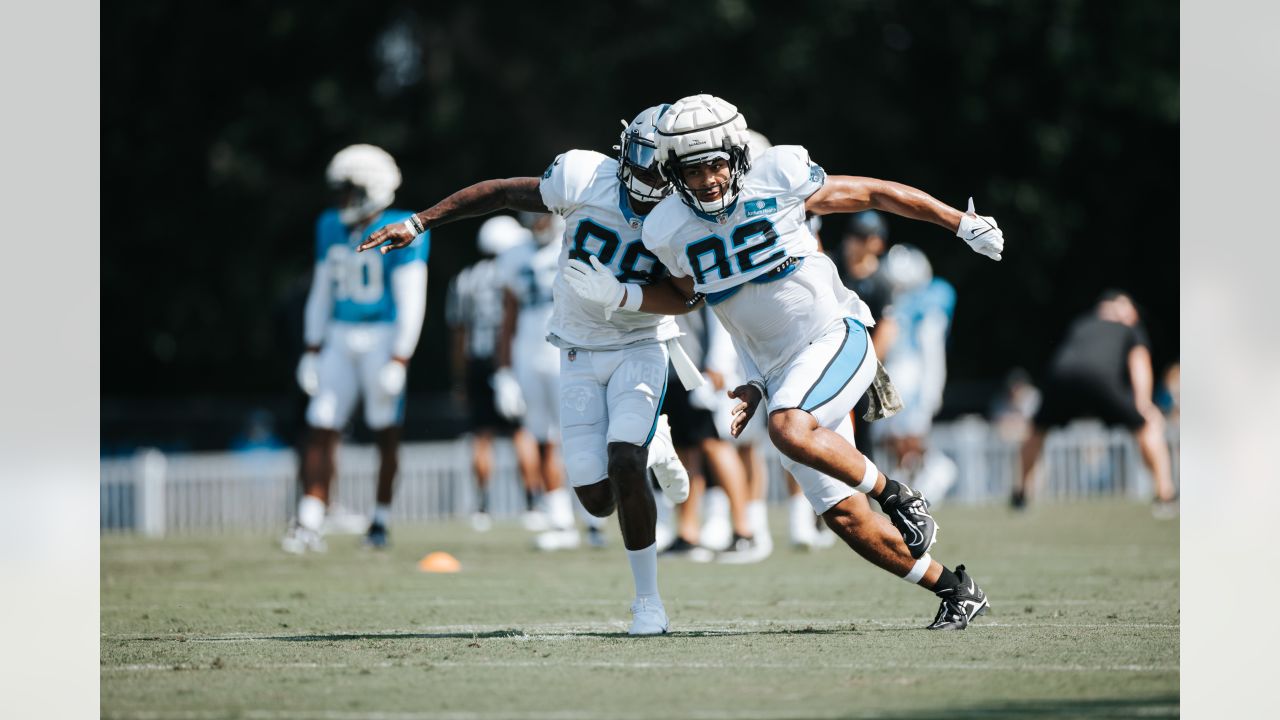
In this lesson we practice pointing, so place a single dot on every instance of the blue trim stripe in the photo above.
(840, 370)
(716, 298)
(666, 378)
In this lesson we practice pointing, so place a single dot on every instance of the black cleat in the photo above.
(909, 512)
(960, 604)
(377, 536)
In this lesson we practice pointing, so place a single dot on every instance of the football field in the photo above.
(1084, 622)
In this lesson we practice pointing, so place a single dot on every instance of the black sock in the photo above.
(484, 502)
(528, 499)
(891, 488)
(946, 581)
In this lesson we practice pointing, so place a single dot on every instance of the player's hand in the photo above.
(745, 410)
(508, 399)
(595, 284)
(390, 237)
(309, 372)
(981, 233)
(391, 377)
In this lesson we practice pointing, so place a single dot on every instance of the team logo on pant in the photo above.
(577, 398)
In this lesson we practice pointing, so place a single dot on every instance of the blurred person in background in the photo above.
(734, 234)
(527, 274)
(613, 361)
(1102, 370)
(362, 321)
(698, 440)
(920, 311)
(1015, 406)
(1169, 393)
(474, 311)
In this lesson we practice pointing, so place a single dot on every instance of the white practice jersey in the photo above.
(529, 271)
(582, 187)
(770, 308)
(475, 301)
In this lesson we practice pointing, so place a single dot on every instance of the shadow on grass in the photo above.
(1153, 706)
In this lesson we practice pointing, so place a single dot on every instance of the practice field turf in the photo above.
(1084, 622)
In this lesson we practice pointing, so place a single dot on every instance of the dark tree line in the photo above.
(1061, 118)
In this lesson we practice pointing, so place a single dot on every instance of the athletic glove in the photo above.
(508, 399)
(595, 284)
(391, 377)
(309, 372)
(981, 233)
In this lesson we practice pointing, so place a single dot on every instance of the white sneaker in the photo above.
(552, 540)
(648, 617)
(535, 521)
(802, 530)
(298, 540)
(666, 465)
(341, 521)
(744, 551)
(823, 538)
(481, 522)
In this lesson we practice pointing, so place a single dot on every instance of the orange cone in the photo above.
(439, 562)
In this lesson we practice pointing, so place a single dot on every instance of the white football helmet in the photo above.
(367, 178)
(757, 143)
(545, 227)
(906, 268)
(698, 129)
(638, 157)
(499, 234)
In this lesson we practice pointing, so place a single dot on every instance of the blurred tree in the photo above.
(1060, 118)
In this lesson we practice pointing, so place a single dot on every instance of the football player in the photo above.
(363, 318)
(735, 234)
(474, 313)
(526, 275)
(612, 360)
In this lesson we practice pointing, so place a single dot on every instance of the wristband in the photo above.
(415, 225)
(635, 296)
(759, 386)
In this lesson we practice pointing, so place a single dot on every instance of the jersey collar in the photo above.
(716, 218)
(624, 204)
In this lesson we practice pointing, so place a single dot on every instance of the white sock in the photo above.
(644, 568)
(559, 508)
(381, 514)
(758, 518)
(311, 512)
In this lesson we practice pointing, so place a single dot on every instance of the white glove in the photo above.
(595, 284)
(981, 233)
(391, 378)
(507, 396)
(309, 372)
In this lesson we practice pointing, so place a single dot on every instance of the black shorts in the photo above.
(689, 425)
(481, 411)
(1070, 398)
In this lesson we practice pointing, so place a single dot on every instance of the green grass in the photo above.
(1084, 623)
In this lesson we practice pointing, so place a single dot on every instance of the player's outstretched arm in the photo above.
(519, 193)
(847, 193)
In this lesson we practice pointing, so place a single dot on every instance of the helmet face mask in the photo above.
(638, 166)
(363, 180)
(697, 130)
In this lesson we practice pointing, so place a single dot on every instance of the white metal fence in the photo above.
(156, 494)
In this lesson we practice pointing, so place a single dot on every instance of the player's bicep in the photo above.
(842, 193)
(523, 193)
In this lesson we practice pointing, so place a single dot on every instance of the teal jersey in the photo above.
(362, 280)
